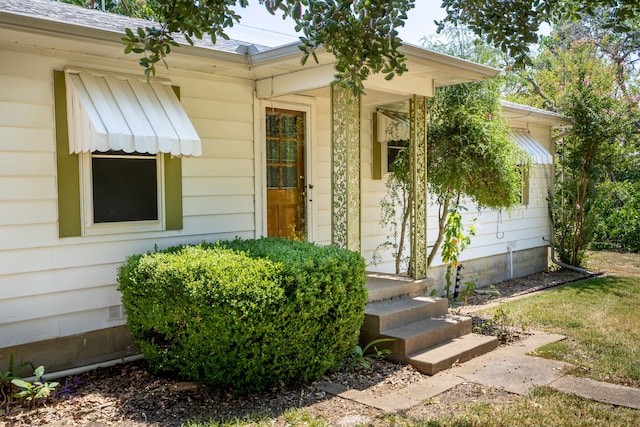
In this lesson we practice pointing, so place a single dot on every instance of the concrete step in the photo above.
(389, 314)
(419, 335)
(387, 286)
(443, 356)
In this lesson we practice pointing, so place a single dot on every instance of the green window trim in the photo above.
(376, 150)
(68, 173)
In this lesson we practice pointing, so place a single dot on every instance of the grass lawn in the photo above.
(599, 316)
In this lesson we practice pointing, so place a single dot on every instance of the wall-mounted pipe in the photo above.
(82, 369)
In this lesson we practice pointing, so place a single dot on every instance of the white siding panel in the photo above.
(21, 89)
(209, 205)
(26, 139)
(61, 280)
(28, 212)
(27, 164)
(210, 167)
(196, 186)
(221, 129)
(218, 109)
(27, 236)
(27, 188)
(26, 115)
(236, 92)
(225, 149)
(55, 304)
(229, 223)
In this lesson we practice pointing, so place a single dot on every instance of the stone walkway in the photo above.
(509, 368)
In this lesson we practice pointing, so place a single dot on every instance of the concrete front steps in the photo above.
(424, 334)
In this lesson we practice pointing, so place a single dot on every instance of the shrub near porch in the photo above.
(247, 314)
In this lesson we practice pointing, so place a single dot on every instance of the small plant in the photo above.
(361, 358)
(6, 378)
(71, 385)
(502, 325)
(38, 390)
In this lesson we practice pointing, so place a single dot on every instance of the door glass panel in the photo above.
(273, 151)
(273, 177)
(289, 151)
(272, 125)
(289, 127)
(289, 177)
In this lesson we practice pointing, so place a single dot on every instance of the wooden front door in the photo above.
(285, 173)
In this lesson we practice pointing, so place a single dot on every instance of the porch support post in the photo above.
(418, 174)
(345, 168)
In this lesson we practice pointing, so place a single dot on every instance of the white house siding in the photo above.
(54, 287)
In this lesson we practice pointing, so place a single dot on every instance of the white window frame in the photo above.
(90, 228)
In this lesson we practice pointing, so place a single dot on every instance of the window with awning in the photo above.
(120, 142)
(113, 113)
(539, 154)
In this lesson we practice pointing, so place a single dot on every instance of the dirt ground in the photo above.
(129, 395)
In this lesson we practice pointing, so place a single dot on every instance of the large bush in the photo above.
(245, 315)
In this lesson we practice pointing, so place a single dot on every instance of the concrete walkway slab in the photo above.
(509, 368)
(602, 392)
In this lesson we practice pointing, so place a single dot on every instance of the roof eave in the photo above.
(33, 24)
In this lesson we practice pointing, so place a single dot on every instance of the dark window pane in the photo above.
(124, 189)
(273, 177)
(289, 151)
(289, 177)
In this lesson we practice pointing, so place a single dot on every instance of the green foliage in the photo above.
(134, 8)
(362, 34)
(471, 151)
(6, 377)
(514, 25)
(362, 356)
(617, 208)
(246, 314)
(35, 391)
(575, 79)
(455, 241)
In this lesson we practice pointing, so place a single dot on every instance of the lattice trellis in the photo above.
(418, 169)
(345, 167)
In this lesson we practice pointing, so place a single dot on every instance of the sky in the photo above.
(257, 26)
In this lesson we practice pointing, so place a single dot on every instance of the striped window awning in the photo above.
(538, 153)
(108, 112)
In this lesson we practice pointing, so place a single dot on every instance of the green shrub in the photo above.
(245, 315)
(618, 217)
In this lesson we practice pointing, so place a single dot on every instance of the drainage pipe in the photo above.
(562, 264)
(87, 368)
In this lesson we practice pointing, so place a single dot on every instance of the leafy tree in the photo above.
(573, 76)
(470, 152)
(513, 25)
